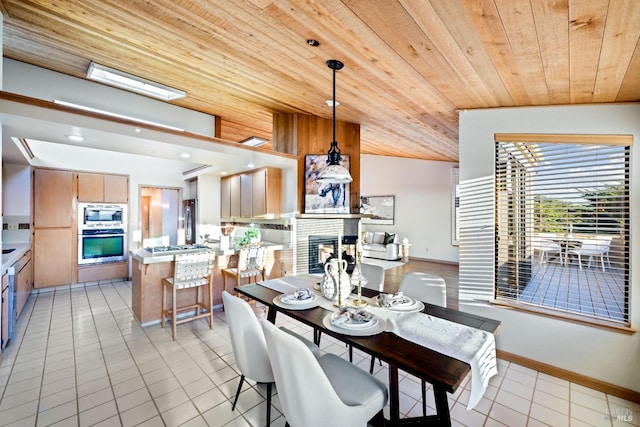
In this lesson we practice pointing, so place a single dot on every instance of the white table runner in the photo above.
(470, 345)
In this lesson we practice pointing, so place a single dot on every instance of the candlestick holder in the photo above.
(359, 302)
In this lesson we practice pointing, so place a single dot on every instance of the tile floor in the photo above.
(79, 358)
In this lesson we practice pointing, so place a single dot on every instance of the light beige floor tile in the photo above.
(171, 400)
(138, 414)
(180, 414)
(58, 413)
(98, 413)
(208, 400)
(507, 416)
(58, 398)
(18, 412)
(549, 416)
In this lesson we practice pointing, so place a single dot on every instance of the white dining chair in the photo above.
(249, 347)
(543, 244)
(598, 247)
(374, 275)
(429, 288)
(325, 391)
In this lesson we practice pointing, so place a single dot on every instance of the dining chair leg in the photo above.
(424, 399)
(164, 303)
(174, 310)
(373, 361)
(269, 387)
(237, 393)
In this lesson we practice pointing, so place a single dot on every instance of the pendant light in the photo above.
(334, 173)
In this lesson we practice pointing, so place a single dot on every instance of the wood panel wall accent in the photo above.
(302, 134)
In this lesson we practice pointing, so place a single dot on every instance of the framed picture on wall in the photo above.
(381, 207)
(324, 197)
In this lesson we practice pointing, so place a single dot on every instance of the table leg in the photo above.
(271, 314)
(442, 406)
(394, 393)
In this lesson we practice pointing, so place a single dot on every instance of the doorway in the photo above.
(160, 216)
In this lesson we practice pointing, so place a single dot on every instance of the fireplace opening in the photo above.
(322, 248)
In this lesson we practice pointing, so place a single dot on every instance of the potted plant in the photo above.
(250, 237)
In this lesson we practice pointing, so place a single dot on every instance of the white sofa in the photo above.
(374, 246)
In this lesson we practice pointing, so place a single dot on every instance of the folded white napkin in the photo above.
(470, 345)
(299, 295)
(394, 300)
(353, 316)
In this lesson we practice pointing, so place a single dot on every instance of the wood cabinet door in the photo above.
(225, 198)
(260, 193)
(53, 198)
(90, 187)
(116, 189)
(234, 182)
(54, 260)
(24, 282)
(246, 195)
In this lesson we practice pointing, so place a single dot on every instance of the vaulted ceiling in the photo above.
(410, 65)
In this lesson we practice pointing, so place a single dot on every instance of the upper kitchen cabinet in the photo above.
(254, 194)
(267, 193)
(104, 188)
(53, 198)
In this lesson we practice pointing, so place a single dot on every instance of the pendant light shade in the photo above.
(334, 172)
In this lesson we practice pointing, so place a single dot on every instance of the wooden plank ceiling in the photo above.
(410, 65)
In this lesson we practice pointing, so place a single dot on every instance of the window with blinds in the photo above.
(562, 225)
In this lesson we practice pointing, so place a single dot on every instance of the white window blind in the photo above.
(562, 226)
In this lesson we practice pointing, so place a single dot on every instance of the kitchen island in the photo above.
(150, 266)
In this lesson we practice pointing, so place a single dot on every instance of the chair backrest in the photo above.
(425, 287)
(307, 397)
(599, 245)
(192, 269)
(374, 275)
(247, 339)
(253, 258)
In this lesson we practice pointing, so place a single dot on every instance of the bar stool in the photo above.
(251, 263)
(190, 271)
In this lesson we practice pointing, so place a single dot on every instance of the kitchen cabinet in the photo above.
(225, 198)
(103, 188)
(4, 319)
(267, 193)
(255, 194)
(23, 281)
(246, 195)
(54, 260)
(230, 196)
(55, 230)
(53, 198)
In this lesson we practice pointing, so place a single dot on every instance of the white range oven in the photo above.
(102, 233)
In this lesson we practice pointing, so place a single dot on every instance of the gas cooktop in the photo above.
(165, 250)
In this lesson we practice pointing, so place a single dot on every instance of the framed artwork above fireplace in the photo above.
(324, 197)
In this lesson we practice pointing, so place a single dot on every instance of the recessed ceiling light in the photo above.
(185, 155)
(223, 173)
(138, 130)
(250, 165)
(76, 138)
(133, 83)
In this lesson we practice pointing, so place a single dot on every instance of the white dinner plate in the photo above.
(380, 326)
(307, 305)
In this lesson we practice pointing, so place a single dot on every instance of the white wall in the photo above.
(423, 196)
(595, 352)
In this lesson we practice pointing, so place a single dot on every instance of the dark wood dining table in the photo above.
(444, 373)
